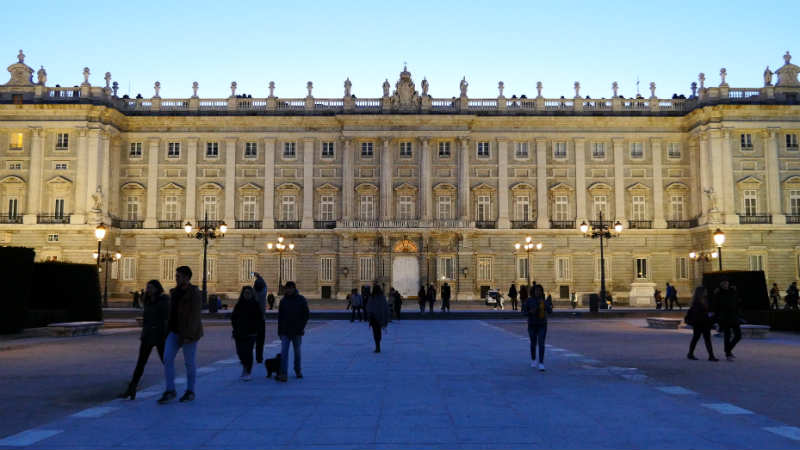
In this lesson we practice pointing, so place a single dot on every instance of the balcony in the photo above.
(450, 223)
(691, 223)
(7, 218)
(170, 224)
(51, 219)
(562, 224)
(523, 224)
(600, 224)
(793, 219)
(640, 224)
(485, 224)
(287, 224)
(248, 224)
(324, 224)
(211, 224)
(755, 219)
(392, 223)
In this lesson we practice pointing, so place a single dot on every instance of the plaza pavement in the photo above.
(437, 384)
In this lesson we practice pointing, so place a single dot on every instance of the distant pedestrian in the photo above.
(185, 330)
(292, 319)
(398, 304)
(524, 293)
(672, 297)
(357, 303)
(136, 297)
(247, 320)
(422, 296)
(726, 311)
(573, 300)
(792, 295)
(378, 315)
(271, 301)
(390, 302)
(512, 294)
(431, 297)
(154, 331)
(699, 317)
(537, 308)
(659, 300)
(365, 295)
(774, 296)
(260, 287)
(446, 297)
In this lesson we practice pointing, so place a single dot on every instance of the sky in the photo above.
(291, 43)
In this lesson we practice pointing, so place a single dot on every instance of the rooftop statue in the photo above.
(463, 86)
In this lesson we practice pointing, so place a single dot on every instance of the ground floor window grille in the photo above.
(287, 269)
(247, 269)
(211, 269)
(128, 268)
(562, 268)
(485, 269)
(366, 265)
(522, 267)
(326, 268)
(756, 262)
(681, 268)
(168, 268)
(640, 265)
(446, 268)
(607, 264)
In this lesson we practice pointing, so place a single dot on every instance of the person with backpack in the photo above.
(774, 296)
(699, 318)
(537, 308)
(512, 294)
(247, 320)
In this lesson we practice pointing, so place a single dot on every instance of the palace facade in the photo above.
(406, 188)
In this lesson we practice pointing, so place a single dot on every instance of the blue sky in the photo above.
(518, 42)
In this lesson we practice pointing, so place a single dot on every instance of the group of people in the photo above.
(428, 296)
(670, 301)
(358, 302)
(723, 308)
(791, 299)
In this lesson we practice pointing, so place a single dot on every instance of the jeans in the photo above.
(537, 334)
(260, 343)
(376, 333)
(244, 348)
(296, 341)
(357, 310)
(170, 352)
(144, 354)
(706, 333)
(730, 343)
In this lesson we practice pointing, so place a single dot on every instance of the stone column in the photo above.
(463, 181)
(542, 205)
(693, 209)
(269, 184)
(150, 220)
(426, 185)
(774, 201)
(658, 186)
(502, 184)
(386, 180)
(308, 184)
(717, 167)
(115, 155)
(619, 180)
(230, 182)
(191, 180)
(347, 181)
(105, 178)
(728, 187)
(81, 173)
(705, 177)
(34, 200)
(93, 167)
(580, 180)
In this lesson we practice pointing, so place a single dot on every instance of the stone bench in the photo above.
(755, 331)
(664, 323)
(74, 328)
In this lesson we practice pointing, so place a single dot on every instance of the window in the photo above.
(444, 149)
(366, 268)
(367, 149)
(249, 209)
(483, 149)
(677, 206)
(248, 266)
(16, 141)
(750, 199)
(287, 269)
(288, 207)
(794, 203)
(327, 210)
(446, 268)
(791, 142)
(406, 207)
(522, 207)
(560, 150)
(639, 207)
(485, 268)
(599, 204)
(14, 165)
(52, 237)
(484, 211)
(522, 267)
(61, 166)
(521, 150)
(173, 150)
(170, 207)
(12, 207)
(607, 264)
(59, 208)
(62, 141)
(212, 149)
(446, 207)
(755, 262)
(405, 149)
(746, 141)
(132, 208)
(211, 269)
(167, 268)
(640, 265)
(328, 149)
(326, 268)
(561, 210)
(562, 268)
(598, 150)
(681, 268)
(637, 150)
(128, 268)
(673, 150)
(135, 150)
(289, 149)
(251, 150)
(210, 207)
(367, 207)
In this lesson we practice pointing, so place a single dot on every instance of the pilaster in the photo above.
(619, 179)
(230, 182)
(308, 184)
(191, 180)
(502, 184)
(542, 205)
(658, 186)
(93, 167)
(150, 220)
(269, 184)
(105, 178)
(463, 181)
(386, 180)
(580, 179)
(704, 179)
(717, 167)
(81, 172)
(774, 203)
(426, 188)
(729, 207)
(347, 181)
(34, 200)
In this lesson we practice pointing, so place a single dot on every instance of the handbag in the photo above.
(689, 318)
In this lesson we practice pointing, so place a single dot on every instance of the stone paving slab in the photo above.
(437, 384)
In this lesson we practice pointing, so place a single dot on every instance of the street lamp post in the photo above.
(205, 232)
(281, 247)
(528, 246)
(106, 258)
(703, 255)
(602, 232)
(719, 239)
(100, 233)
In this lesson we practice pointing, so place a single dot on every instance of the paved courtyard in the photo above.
(460, 384)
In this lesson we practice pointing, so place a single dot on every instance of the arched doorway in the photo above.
(405, 268)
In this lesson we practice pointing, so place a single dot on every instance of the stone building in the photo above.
(406, 188)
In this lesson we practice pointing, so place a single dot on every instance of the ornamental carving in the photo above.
(787, 75)
(405, 96)
(21, 74)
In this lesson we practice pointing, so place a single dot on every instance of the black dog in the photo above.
(273, 365)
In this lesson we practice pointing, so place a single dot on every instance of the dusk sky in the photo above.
(518, 42)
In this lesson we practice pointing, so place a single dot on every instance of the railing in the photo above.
(392, 223)
(755, 219)
(482, 105)
(329, 104)
(51, 219)
(793, 219)
(324, 224)
(291, 104)
(7, 218)
(170, 224)
(213, 105)
(248, 224)
(368, 104)
(287, 224)
(640, 224)
(443, 104)
(63, 93)
(523, 224)
(485, 224)
(598, 224)
(212, 224)
(131, 224)
(450, 223)
(174, 105)
(691, 223)
(562, 224)
(743, 93)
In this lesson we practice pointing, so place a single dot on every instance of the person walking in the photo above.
(431, 297)
(537, 308)
(377, 315)
(726, 312)
(136, 303)
(185, 330)
(271, 301)
(154, 331)
(356, 303)
(699, 318)
(792, 295)
(446, 297)
(672, 297)
(774, 296)
(292, 319)
(422, 296)
(524, 293)
(512, 294)
(398, 304)
(657, 297)
(260, 287)
(247, 320)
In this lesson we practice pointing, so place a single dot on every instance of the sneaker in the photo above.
(711, 358)
(299, 375)
(187, 396)
(541, 367)
(167, 397)
(533, 363)
(246, 377)
(730, 358)
(691, 356)
(243, 374)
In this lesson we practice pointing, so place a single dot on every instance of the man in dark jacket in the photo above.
(431, 297)
(292, 318)
(422, 298)
(446, 297)
(726, 312)
(185, 329)
(260, 286)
